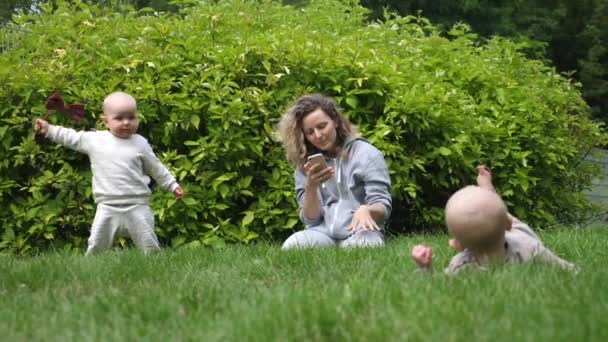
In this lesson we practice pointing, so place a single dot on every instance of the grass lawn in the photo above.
(262, 293)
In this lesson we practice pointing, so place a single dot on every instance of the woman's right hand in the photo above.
(316, 175)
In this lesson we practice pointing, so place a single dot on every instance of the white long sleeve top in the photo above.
(521, 245)
(120, 167)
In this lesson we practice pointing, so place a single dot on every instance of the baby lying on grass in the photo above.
(485, 233)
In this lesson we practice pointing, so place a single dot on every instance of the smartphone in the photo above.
(318, 159)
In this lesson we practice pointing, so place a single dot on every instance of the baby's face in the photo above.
(122, 121)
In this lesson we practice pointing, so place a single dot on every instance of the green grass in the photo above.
(262, 293)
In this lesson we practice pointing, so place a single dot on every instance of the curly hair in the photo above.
(290, 130)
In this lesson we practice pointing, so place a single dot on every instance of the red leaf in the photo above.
(75, 111)
(55, 102)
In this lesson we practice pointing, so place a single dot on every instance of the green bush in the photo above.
(213, 80)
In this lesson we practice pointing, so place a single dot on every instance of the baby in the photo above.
(484, 232)
(121, 161)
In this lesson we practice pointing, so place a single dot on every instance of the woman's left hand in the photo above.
(362, 219)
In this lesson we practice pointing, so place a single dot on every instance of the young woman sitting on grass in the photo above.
(345, 195)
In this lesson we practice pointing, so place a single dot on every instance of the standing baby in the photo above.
(121, 162)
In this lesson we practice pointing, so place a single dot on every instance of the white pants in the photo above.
(135, 221)
(312, 238)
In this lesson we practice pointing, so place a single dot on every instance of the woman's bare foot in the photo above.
(484, 178)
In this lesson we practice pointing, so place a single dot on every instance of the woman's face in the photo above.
(320, 130)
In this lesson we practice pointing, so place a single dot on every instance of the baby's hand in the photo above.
(179, 193)
(41, 127)
(455, 244)
(423, 255)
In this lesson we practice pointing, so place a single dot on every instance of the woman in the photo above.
(346, 203)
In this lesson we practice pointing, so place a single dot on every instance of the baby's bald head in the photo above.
(477, 218)
(119, 102)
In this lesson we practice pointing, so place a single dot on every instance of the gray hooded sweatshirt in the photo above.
(361, 177)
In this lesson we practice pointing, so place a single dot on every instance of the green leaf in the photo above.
(189, 201)
(195, 121)
(8, 234)
(249, 216)
(224, 190)
(352, 102)
(444, 151)
(291, 223)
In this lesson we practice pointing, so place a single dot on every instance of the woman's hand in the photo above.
(316, 175)
(362, 219)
